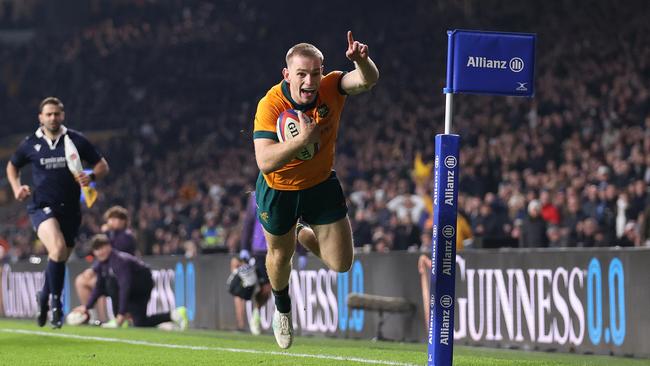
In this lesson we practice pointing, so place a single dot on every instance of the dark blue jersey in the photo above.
(132, 275)
(53, 184)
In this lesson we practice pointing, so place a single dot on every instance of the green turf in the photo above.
(37, 349)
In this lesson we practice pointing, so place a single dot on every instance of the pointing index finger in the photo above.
(350, 39)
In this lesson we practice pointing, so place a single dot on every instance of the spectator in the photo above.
(533, 230)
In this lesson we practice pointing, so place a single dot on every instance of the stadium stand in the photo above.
(173, 86)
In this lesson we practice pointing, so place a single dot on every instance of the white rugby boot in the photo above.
(283, 329)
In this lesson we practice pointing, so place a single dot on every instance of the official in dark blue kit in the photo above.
(54, 207)
(133, 284)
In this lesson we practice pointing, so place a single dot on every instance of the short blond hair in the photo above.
(304, 49)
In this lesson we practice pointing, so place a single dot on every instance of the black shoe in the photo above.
(57, 318)
(43, 308)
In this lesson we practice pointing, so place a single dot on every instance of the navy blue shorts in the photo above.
(69, 221)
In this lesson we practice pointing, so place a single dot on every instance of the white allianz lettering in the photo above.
(485, 63)
(449, 189)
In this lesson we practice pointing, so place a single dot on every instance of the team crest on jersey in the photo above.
(37, 147)
(264, 216)
(322, 110)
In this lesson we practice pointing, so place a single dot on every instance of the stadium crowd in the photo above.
(175, 84)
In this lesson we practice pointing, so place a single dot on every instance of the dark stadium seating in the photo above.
(176, 84)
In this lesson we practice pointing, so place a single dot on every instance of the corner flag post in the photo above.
(477, 63)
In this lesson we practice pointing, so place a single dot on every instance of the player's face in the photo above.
(51, 117)
(303, 74)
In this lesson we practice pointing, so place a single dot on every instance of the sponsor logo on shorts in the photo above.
(264, 216)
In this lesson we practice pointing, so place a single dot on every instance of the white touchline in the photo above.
(204, 348)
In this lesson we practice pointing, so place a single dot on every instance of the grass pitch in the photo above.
(23, 343)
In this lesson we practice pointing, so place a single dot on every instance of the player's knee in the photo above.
(59, 254)
(342, 265)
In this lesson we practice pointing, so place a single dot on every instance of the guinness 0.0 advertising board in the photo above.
(573, 300)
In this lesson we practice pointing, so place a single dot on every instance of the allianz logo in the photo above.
(515, 64)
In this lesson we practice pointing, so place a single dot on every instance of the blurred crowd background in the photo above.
(168, 90)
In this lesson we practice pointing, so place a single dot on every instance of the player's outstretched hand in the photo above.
(309, 130)
(23, 192)
(356, 51)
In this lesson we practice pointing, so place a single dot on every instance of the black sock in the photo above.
(56, 274)
(45, 291)
(282, 300)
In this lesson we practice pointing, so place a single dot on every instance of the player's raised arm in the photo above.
(365, 73)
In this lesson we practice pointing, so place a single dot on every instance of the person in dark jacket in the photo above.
(533, 230)
(133, 284)
(121, 237)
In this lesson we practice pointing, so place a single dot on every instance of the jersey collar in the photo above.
(52, 144)
(300, 107)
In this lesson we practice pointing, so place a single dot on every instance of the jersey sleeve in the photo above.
(265, 120)
(341, 74)
(331, 84)
(87, 151)
(20, 158)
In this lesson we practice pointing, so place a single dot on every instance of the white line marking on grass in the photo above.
(204, 348)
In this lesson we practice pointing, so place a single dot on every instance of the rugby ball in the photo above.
(288, 128)
(76, 318)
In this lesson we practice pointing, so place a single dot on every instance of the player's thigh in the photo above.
(87, 278)
(49, 233)
(281, 245)
(56, 229)
(276, 210)
(335, 241)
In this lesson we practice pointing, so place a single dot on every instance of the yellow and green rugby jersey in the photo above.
(325, 110)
